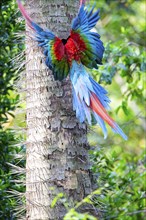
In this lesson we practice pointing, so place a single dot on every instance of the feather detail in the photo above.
(91, 99)
(63, 56)
(82, 25)
(24, 13)
(54, 50)
(82, 2)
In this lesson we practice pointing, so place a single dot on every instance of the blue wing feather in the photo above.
(45, 38)
(82, 24)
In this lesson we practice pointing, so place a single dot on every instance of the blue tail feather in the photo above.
(84, 90)
(101, 124)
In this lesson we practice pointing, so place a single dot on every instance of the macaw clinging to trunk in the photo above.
(83, 48)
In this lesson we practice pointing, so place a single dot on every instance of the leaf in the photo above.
(56, 199)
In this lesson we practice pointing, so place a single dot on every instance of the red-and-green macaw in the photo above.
(83, 48)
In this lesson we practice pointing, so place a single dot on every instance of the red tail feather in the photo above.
(82, 2)
(97, 107)
(24, 13)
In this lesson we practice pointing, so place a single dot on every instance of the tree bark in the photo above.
(57, 148)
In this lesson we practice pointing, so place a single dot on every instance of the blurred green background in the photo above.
(118, 166)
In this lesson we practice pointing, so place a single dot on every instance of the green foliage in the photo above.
(122, 179)
(9, 48)
(125, 65)
(55, 200)
(73, 215)
(8, 140)
(122, 19)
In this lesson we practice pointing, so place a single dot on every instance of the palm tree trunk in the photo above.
(57, 157)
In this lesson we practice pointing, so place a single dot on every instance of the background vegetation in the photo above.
(9, 100)
(119, 166)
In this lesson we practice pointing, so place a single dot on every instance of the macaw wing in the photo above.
(52, 46)
(54, 51)
(92, 52)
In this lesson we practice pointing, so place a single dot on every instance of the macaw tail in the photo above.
(24, 13)
(89, 98)
(29, 21)
(82, 2)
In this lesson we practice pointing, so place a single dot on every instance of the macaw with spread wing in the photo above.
(83, 48)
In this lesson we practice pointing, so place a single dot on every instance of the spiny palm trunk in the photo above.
(57, 157)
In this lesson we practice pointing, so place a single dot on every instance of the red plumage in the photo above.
(59, 49)
(72, 49)
(81, 46)
(97, 107)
